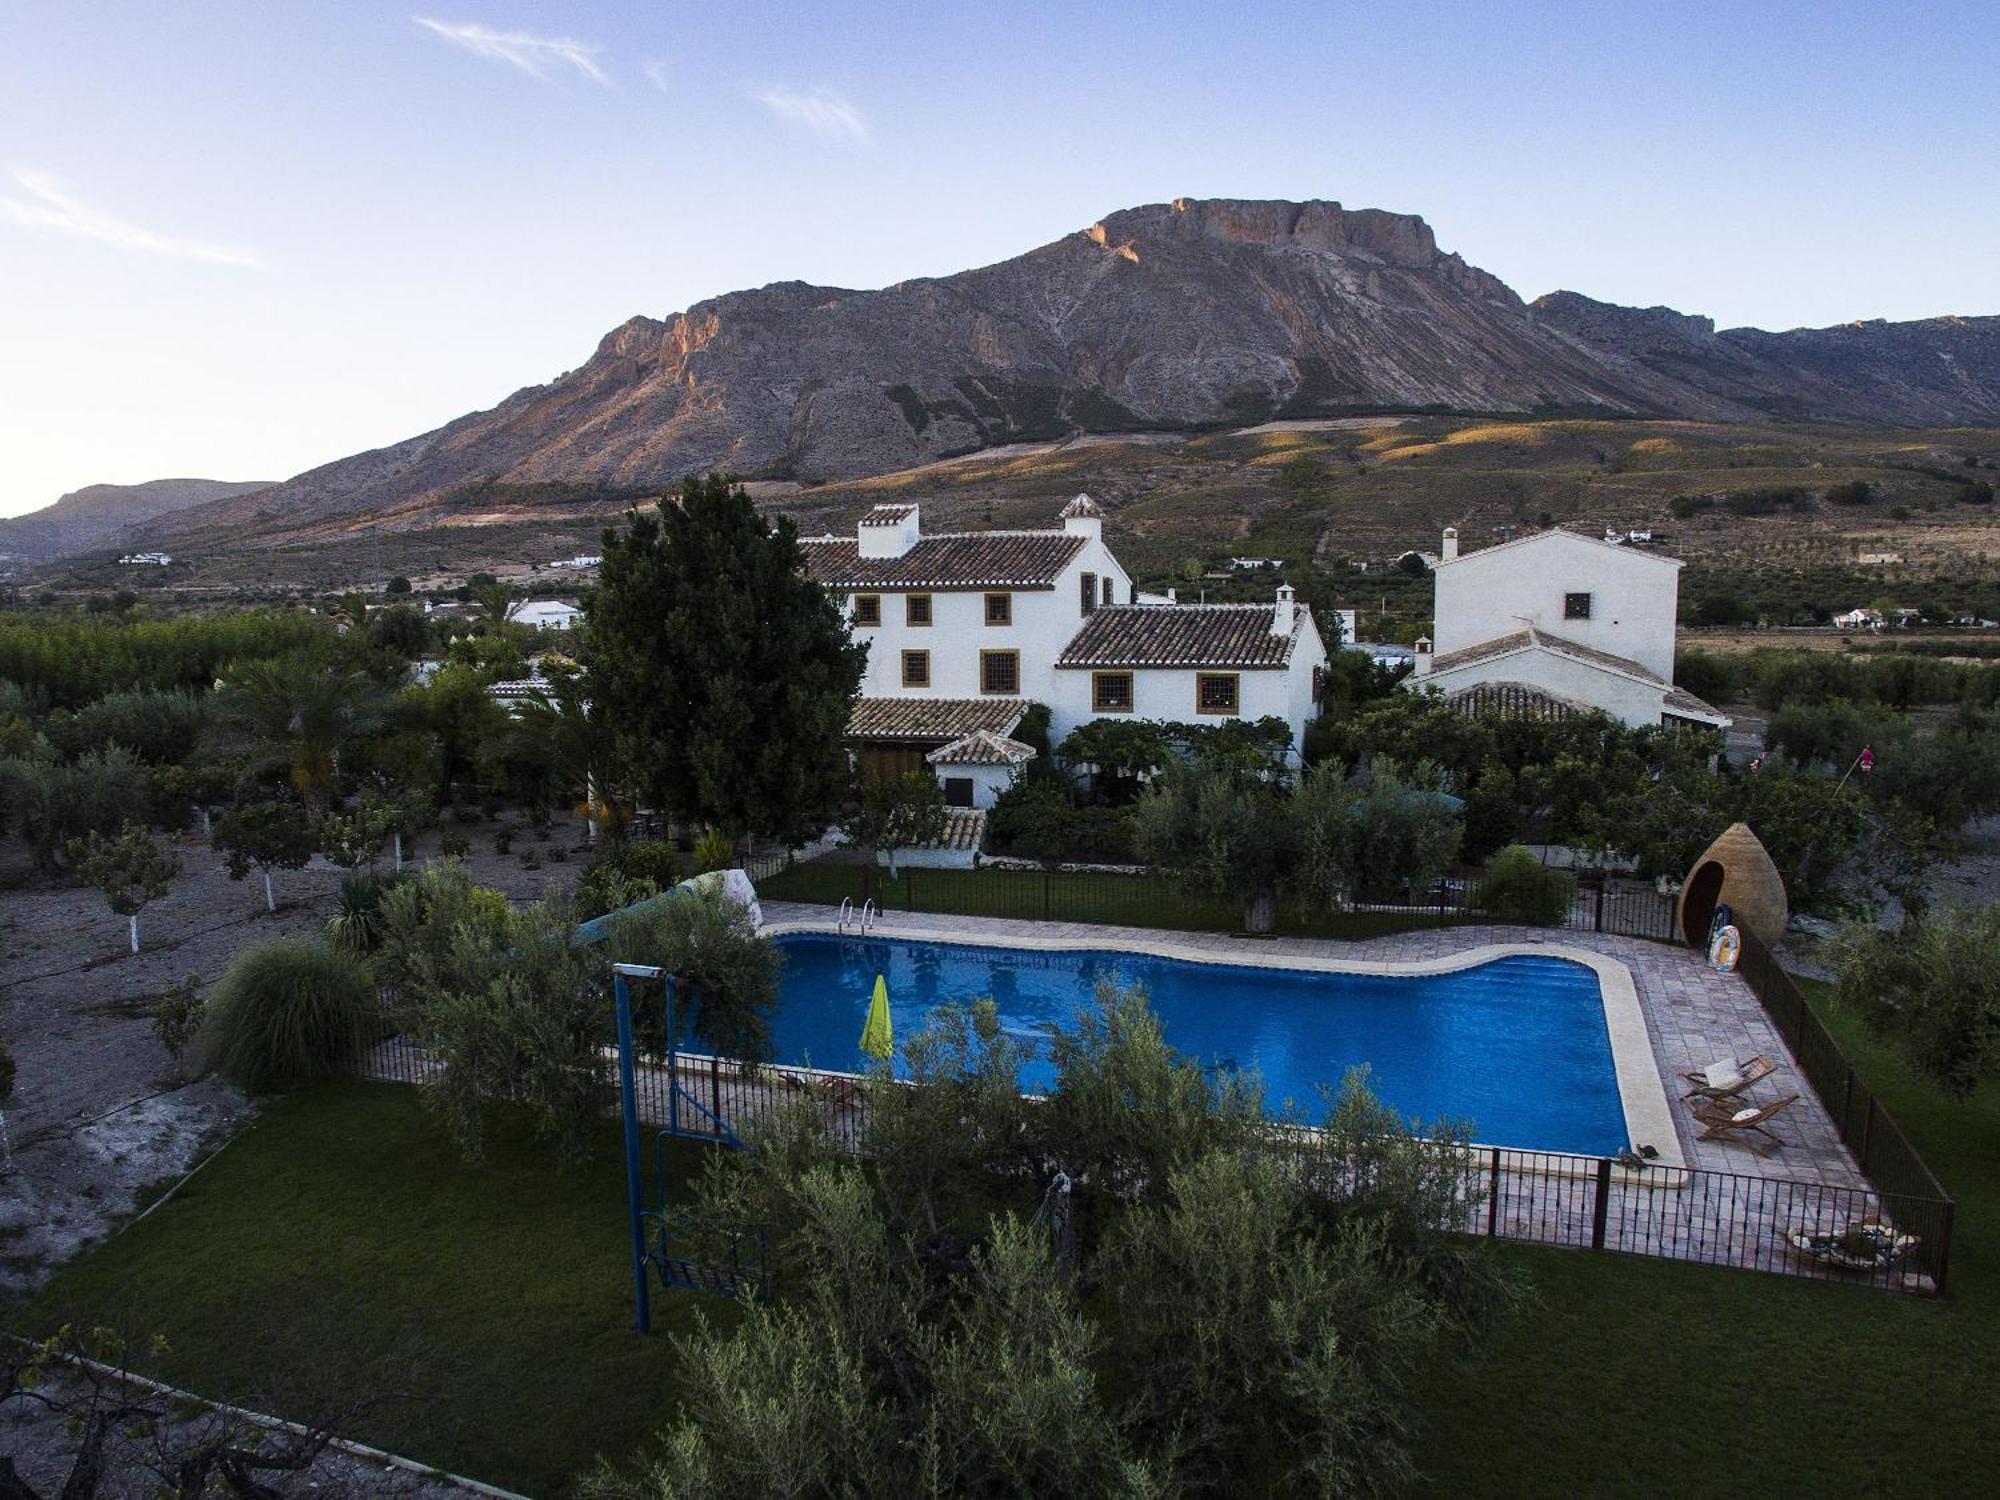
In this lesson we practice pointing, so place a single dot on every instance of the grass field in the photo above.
(342, 1235)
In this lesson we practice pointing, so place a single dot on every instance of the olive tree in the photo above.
(130, 868)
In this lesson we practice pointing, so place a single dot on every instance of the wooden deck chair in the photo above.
(1722, 1123)
(1727, 1079)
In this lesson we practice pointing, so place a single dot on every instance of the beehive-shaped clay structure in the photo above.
(1735, 869)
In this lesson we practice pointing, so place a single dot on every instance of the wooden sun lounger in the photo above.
(1721, 1123)
(1758, 1067)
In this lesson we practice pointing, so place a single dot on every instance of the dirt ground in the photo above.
(99, 1120)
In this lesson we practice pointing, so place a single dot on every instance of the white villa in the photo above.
(966, 629)
(545, 614)
(1555, 623)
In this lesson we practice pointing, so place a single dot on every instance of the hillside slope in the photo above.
(1189, 315)
(92, 515)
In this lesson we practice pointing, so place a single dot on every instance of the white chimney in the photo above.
(1450, 548)
(1083, 516)
(888, 531)
(1424, 649)
(1285, 618)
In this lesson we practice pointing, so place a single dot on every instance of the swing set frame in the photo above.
(655, 1229)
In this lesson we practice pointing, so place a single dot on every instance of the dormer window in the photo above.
(868, 609)
(1576, 606)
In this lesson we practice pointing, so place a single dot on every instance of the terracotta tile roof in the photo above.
(932, 718)
(1082, 505)
(964, 828)
(1515, 640)
(1680, 701)
(1512, 700)
(982, 748)
(1182, 635)
(951, 560)
(888, 515)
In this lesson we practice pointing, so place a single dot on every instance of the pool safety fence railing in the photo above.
(1145, 899)
(1883, 1151)
(1596, 1203)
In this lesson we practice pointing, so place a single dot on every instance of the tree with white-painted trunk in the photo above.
(130, 868)
(265, 836)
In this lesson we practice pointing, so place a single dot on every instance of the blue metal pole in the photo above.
(667, 999)
(621, 990)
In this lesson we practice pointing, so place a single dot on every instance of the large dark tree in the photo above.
(726, 673)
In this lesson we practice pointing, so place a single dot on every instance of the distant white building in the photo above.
(589, 560)
(1247, 564)
(966, 629)
(145, 559)
(544, 614)
(1858, 619)
(1555, 623)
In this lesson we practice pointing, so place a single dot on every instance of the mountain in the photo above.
(1173, 316)
(93, 515)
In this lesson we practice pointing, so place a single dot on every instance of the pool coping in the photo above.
(1642, 1094)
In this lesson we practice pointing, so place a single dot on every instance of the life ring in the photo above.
(1725, 950)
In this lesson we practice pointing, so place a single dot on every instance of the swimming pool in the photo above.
(1517, 1046)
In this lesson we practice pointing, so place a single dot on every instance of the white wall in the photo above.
(988, 782)
(1635, 597)
(1044, 621)
(1631, 703)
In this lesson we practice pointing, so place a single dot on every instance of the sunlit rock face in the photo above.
(1189, 314)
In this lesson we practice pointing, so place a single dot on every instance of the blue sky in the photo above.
(239, 239)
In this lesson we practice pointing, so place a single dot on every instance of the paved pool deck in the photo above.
(1693, 1016)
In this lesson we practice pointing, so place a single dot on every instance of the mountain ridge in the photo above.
(1179, 316)
(98, 512)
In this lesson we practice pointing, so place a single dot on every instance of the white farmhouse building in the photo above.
(966, 629)
(544, 614)
(1555, 623)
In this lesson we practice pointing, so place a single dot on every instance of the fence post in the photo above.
(910, 888)
(1943, 1244)
(1046, 877)
(635, 1203)
(715, 1094)
(1603, 1203)
(1867, 1132)
(1846, 1102)
(1493, 1196)
(1600, 907)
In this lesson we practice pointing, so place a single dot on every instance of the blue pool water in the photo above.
(1516, 1048)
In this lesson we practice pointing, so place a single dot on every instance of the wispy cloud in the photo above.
(821, 111)
(538, 56)
(658, 76)
(40, 203)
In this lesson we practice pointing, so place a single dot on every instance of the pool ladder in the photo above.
(863, 920)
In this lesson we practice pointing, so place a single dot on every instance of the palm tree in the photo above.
(302, 709)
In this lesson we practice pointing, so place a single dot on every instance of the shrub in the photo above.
(1932, 988)
(605, 887)
(440, 932)
(1854, 492)
(714, 850)
(160, 728)
(728, 975)
(356, 924)
(648, 859)
(1520, 888)
(286, 1012)
(177, 1017)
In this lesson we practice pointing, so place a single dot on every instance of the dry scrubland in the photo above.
(1328, 492)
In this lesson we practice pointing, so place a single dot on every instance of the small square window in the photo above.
(1576, 606)
(1111, 692)
(958, 791)
(1215, 693)
(917, 609)
(868, 609)
(916, 669)
(999, 609)
(1000, 673)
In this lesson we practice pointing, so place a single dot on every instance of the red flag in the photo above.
(1867, 760)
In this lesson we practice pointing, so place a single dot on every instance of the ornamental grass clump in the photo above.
(286, 1012)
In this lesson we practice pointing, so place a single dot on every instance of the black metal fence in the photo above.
(1148, 900)
(1866, 1127)
(1538, 1197)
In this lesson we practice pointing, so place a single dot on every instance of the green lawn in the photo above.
(343, 1230)
(343, 1240)
(1634, 1377)
(1065, 896)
